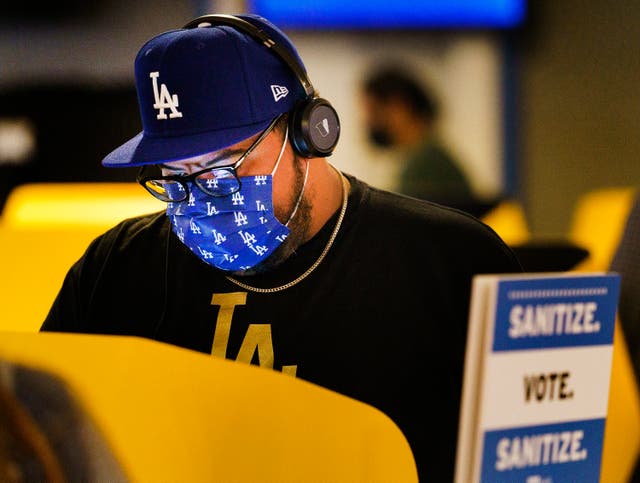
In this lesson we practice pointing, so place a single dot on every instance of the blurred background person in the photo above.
(400, 112)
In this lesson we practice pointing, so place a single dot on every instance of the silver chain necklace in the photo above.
(343, 210)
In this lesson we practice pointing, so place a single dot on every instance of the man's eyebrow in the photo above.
(226, 153)
(204, 164)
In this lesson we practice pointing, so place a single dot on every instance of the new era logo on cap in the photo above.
(279, 92)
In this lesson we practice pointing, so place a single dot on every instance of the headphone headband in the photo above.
(314, 124)
(262, 37)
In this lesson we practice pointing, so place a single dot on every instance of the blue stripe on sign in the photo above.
(558, 453)
(556, 312)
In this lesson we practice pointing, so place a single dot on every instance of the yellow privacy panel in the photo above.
(508, 220)
(598, 221)
(34, 262)
(45, 228)
(174, 415)
(77, 203)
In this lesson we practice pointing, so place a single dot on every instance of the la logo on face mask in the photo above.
(163, 99)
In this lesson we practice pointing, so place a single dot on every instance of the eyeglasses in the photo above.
(215, 181)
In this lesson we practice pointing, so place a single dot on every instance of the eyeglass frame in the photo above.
(183, 179)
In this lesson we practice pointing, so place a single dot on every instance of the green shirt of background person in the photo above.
(431, 172)
(401, 113)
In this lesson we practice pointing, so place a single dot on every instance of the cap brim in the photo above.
(143, 149)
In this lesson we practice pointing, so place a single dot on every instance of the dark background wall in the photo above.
(579, 104)
(66, 79)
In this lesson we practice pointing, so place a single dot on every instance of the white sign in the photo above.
(537, 373)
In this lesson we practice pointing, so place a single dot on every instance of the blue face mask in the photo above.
(235, 232)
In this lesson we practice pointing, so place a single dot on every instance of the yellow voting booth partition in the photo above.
(34, 262)
(508, 219)
(76, 204)
(598, 221)
(174, 415)
(45, 228)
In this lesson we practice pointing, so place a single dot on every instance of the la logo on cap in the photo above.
(163, 99)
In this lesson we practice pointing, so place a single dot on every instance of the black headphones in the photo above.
(314, 126)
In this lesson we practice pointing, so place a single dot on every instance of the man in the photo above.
(269, 255)
(400, 113)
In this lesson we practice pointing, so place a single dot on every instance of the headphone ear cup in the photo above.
(314, 128)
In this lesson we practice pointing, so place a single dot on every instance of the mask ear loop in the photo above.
(304, 184)
(306, 175)
(284, 144)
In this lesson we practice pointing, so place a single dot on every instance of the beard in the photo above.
(298, 226)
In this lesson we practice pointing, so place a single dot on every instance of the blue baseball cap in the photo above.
(205, 88)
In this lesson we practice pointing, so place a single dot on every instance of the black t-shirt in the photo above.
(382, 319)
